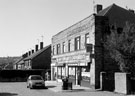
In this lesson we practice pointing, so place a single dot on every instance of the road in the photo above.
(20, 89)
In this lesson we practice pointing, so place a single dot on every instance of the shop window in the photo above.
(71, 68)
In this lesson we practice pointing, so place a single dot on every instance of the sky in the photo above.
(25, 23)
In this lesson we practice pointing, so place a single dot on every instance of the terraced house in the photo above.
(78, 53)
(41, 59)
(38, 59)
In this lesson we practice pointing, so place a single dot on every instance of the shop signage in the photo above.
(73, 58)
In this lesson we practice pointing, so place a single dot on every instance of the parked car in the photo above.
(35, 81)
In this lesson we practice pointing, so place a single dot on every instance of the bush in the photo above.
(121, 46)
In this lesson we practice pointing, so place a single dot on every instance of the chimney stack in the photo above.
(32, 51)
(36, 48)
(97, 8)
(29, 53)
(132, 11)
(41, 45)
(24, 55)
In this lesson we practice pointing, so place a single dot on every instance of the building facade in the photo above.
(78, 51)
(73, 51)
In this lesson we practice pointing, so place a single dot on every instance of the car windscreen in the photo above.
(36, 78)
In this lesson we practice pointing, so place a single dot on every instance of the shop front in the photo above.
(75, 67)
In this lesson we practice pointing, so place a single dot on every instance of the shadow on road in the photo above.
(80, 90)
(75, 90)
(50, 86)
(8, 94)
(40, 88)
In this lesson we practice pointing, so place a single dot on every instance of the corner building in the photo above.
(77, 52)
(73, 52)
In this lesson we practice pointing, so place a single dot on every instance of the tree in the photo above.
(121, 47)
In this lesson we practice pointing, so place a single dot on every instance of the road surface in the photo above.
(20, 89)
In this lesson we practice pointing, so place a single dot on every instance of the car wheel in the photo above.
(31, 87)
(27, 86)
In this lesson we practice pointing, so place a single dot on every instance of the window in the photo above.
(64, 48)
(77, 43)
(87, 39)
(53, 50)
(69, 45)
(58, 48)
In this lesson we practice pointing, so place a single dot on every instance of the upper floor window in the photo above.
(77, 43)
(87, 38)
(69, 45)
(53, 50)
(58, 48)
(64, 47)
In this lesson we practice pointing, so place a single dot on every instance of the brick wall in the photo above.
(78, 29)
(100, 25)
(96, 27)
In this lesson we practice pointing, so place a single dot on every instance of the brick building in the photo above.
(41, 59)
(77, 52)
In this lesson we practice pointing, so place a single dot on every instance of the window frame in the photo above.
(78, 43)
(87, 38)
(69, 45)
(58, 48)
(63, 47)
(53, 50)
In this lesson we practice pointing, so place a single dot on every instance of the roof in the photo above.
(105, 11)
(37, 53)
(73, 25)
(20, 60)
(117, 15)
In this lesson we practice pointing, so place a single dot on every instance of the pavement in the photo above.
(79, 90)
(57, 87)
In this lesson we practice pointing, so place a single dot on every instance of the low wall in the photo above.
(107, 81)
